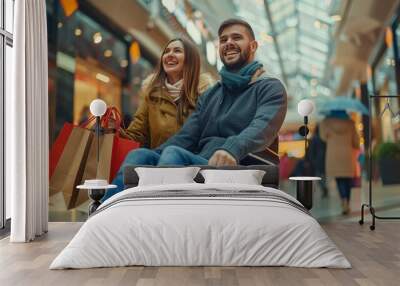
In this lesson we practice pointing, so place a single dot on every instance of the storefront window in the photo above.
(88, 61)
(385, 81)
(89, 58)
(385, 77)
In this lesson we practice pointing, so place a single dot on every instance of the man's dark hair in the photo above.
(235, 21)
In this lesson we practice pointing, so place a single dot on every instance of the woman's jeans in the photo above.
(171, 155)
(344, 186)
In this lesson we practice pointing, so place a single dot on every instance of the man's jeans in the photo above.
(171, 155)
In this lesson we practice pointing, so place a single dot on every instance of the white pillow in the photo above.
(166, 176)
(248, 177)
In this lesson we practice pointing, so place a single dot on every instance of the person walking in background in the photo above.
(316, 156)
(341, 137)
(169, 95)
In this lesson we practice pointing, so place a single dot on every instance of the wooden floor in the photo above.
(375, 257)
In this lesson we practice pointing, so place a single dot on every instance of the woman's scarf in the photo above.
(174, 90)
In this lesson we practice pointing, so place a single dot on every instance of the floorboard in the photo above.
(375, 257)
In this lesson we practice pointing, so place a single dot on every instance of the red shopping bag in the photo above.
(70, 166)
(111, 120)
(67, 158)
(58, 147)
(121, 146)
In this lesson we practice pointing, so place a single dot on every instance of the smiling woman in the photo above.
(172, 61)
(169, 95)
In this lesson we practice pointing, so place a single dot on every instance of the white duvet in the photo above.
(190, 231)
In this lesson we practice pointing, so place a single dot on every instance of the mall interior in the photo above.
(321, 50)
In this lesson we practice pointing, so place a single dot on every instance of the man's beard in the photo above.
(241, 61)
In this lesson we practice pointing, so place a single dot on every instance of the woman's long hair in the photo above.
(191, 75)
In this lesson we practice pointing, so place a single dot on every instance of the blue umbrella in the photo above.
(343, 103)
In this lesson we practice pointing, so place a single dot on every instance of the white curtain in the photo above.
(27, 124)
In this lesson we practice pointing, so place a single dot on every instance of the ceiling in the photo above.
(359, 37)
(295, 42)
(318, 48)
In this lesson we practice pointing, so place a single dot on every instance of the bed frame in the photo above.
(270, 179)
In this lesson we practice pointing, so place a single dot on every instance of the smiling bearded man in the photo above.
(235, 50)
(239, 115)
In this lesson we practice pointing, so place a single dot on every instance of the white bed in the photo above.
(264, 229)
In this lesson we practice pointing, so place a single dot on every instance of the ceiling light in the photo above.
(170, 5)
(78, 32)
(198, 14)
(102, 77)
(211, 53)
(219, 64)
(123, 63)
(336, 18)
(193, 32)
(314, 82)
(97, 38)
(107, 53)
(266, 38)
(134, 52)
(388, 37)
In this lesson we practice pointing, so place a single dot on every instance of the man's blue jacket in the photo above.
(237, 122)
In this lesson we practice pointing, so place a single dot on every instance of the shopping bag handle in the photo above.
(112, 113)
(86, 123)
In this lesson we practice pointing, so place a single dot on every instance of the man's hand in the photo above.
(222, 158)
